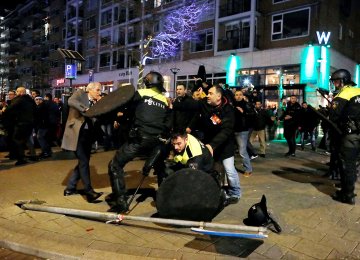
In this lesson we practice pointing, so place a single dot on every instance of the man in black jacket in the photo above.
(216, 119)
(183, 109)
(19, 115)
(291, 123)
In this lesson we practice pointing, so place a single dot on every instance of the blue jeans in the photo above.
(233, 177)
(242, 140)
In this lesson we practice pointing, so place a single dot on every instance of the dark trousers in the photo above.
(290, 135)
(20, 136)
(138, 146)
(82, 169)
(349, 152)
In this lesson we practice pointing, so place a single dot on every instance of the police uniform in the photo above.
(345, 113)
(195, 155)
(150, 120)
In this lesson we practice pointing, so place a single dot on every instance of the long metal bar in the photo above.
(113, 217)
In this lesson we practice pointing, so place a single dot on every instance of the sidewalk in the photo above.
(314, 226)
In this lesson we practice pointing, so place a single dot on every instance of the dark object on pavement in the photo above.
(190, 195)
(258, 215)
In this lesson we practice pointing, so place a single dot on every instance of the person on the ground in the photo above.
(345, 113)
(79, 137)
(190, 153)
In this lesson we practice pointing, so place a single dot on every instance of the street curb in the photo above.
(25, 249)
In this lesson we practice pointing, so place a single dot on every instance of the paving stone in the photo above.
(309, 233)
(311, 249)
(352, 236)
(276, 252)
(285, 240)
(342, 245)
(164, 253)
(331, 228)
(192, 256)
(293, 255)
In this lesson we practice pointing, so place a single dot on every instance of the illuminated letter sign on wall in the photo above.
(323, 37)
(70, 71)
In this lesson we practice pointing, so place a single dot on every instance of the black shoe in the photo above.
(348, 199)
(21, 162)
(290, 154)
(121, 206)
(262, 155)
(92, 195)
(69, 192)
(45, 155)
(33, 158)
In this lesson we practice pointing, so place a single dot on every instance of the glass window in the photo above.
(105, 59)
(90, 43)
(106, 17)
(203, 41)
(91, 23)
(291, 24)
(105, 37)
(91, 5)
(90, 62)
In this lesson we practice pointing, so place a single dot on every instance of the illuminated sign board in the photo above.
(70, 71)
(323, 37)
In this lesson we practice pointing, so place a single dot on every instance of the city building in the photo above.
(276, 47)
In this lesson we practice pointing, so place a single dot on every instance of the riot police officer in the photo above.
(151, 119)
(345, 113)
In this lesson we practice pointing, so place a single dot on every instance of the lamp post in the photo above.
(175, 71)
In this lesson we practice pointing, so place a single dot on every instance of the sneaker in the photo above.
(247, 174)
(262, 155)
(20, 162)
(252, 157)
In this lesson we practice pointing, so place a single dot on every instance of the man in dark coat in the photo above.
(19, 116)
(216, 119)
(291, 123)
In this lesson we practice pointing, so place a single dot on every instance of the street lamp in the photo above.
(175, 71)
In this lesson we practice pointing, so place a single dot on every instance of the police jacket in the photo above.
(152, 114)
(217, 124)
(345, 109)
(195, 155)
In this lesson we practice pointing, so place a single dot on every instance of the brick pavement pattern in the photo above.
(314, 226)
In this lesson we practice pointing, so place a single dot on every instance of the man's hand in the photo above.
(210, 149)
(188, 130)
(287, 117)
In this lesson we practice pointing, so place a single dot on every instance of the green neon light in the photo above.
(233, 65)
(357, 75)
(308, 70)
(324, 68)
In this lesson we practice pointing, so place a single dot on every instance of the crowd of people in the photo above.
(202, 128)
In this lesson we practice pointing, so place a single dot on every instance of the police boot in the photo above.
(344, 198)
(117, 200)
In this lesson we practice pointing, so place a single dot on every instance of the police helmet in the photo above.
(154, 79)
(257, 214)
(344, 75)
